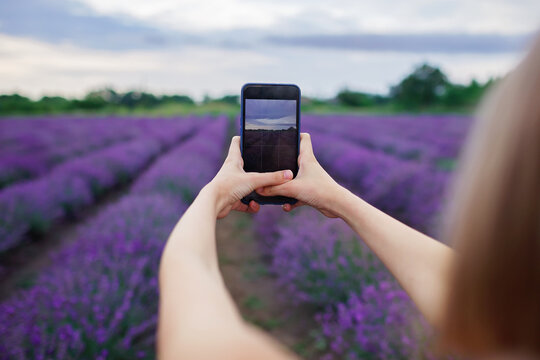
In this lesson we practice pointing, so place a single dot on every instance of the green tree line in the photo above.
(427, 87)
(424, 88)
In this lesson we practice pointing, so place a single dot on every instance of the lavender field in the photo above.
(94, 296)
(400, 164)
(98, 296)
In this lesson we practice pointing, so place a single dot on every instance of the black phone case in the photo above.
(266, 200)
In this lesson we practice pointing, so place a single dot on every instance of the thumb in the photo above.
(289, 189)
(258, 180)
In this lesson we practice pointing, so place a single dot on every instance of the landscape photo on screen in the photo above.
(270, 135)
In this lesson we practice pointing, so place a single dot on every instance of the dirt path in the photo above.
(255, 291)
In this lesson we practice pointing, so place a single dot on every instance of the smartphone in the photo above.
(270, 135)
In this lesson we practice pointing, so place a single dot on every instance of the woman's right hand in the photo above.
(312, 186)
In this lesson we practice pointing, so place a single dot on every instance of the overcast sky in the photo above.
(198, 47)
(270, 114)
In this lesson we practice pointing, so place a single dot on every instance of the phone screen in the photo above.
(270, 135)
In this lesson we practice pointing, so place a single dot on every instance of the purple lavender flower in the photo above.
(379, 322)
(99, 292)
(32, 206)
(406, 189)
(98, 298)
(424, 138)
(395, 163)
(186, 169)
(320, 260)
(31, 147)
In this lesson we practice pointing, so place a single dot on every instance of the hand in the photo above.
(312, 186)
(232, 183)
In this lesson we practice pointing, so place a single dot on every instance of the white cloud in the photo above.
(338, 16)
(219, 66)
(37, 68)
(271, 124)
(196, 15)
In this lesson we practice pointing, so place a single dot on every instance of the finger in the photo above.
(240, 206)
(234, 149)
(289, 207)
(306, 148)
(259, 180)
(253, 206)
(287, 189)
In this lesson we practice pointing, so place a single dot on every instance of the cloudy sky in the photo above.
(270, 114)
(198, 47)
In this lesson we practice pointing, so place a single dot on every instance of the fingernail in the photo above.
(287, 174)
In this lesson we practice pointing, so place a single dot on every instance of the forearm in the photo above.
(193, 298)
(197, 317)
(194, 234)
(420, 264)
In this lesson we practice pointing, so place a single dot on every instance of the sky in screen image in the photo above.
(213, 47)
(270, 114)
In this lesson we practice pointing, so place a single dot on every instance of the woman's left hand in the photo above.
(232, 183)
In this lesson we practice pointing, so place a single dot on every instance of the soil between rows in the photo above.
(255, 290)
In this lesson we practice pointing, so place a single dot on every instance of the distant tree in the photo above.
(52, 104)
(148, 100)
(178, 99)
(10, 104)
(424, 87)
(133, 99)
(90, 102)
(107, 94)
(457, 95)
(356, 99)
(229, 99)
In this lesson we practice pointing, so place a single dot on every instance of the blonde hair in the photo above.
(494, 223)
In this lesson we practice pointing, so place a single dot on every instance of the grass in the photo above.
(269, 324)
(255, 270)
(211, 108)
(265, 324)
(253, 302)
(223, 260)
(446, 164)
(26, 281)
(233, 110)
(243, 223)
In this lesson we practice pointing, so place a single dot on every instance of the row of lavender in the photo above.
(99, 297)
(31, 207)
(31, 147)
(363, 313)
(372, 156)
(409, 190)
(434, 140)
